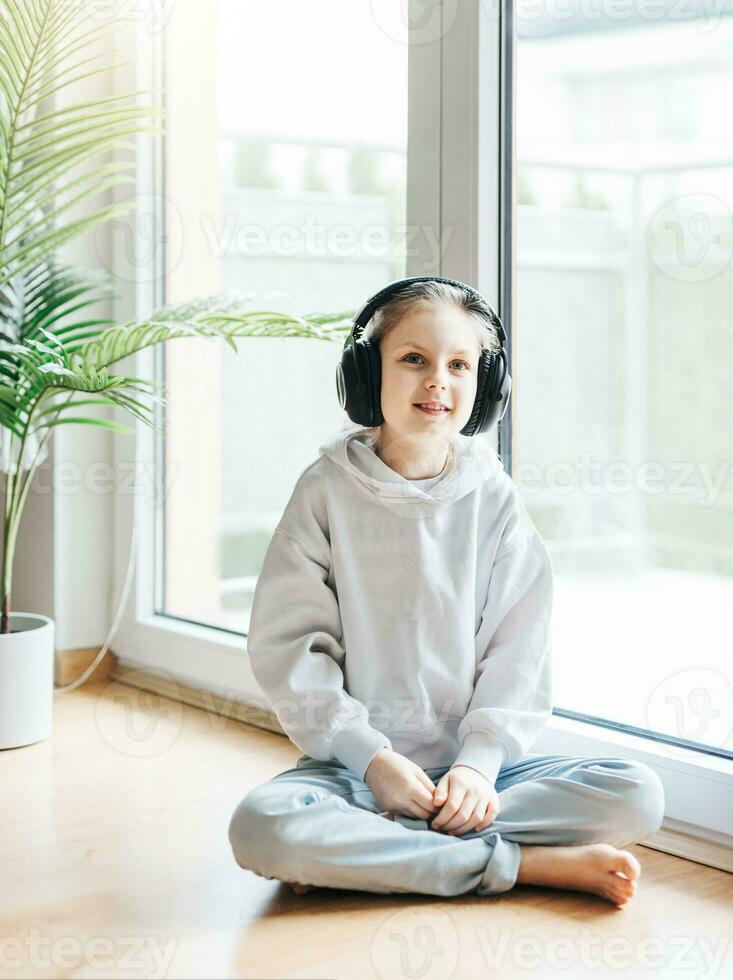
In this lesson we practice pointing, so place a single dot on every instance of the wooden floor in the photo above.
(114, 862)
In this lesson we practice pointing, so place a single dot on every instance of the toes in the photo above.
(627, 864)
(620, 891)
(618, 898)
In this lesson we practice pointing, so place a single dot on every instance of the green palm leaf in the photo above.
(46, 357)
(226, 317)
(46, 362)
(44, 48)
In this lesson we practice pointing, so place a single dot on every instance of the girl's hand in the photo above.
(400, 786)
(468, 801)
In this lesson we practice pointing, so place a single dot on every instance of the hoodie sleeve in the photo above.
(295, 649)
(512, 698)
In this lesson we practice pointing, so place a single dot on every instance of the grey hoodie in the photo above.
(411, 614)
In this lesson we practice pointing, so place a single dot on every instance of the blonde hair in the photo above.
(424, 295)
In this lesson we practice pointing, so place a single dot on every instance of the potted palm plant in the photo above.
(55, 354)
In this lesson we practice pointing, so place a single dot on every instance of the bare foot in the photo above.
(598, 868)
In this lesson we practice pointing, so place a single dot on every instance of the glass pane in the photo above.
(300, 198)
(624, 357)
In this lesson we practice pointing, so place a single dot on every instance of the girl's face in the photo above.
(430, 355)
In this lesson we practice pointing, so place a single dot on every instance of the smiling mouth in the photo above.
(427, 410)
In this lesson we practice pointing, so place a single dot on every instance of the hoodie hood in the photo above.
(475, 463)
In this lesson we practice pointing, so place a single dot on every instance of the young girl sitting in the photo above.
(401, 630)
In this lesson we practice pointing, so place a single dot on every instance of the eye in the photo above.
(467, 366)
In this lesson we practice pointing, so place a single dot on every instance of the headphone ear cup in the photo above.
(505, 385)
(358, 382)
(372, 362)
(492, 393)
(348, 387)
(480, 403)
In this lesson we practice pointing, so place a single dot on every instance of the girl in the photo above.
(401, 629)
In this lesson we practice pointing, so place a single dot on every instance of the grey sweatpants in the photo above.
(318, 824)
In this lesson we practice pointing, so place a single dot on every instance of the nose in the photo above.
(436, 379)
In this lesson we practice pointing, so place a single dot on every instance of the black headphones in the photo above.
(359, 373)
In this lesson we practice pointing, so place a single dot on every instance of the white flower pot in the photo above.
(26, 680)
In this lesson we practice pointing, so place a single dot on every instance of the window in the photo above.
(605, 247)
(624, 355)
(294, 190)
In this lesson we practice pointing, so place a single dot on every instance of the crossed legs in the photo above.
(562, 822)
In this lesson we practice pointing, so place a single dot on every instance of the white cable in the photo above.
(123, 601)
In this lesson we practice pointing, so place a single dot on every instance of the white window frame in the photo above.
(455, 123)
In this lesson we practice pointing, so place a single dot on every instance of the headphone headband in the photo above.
(393, 288)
